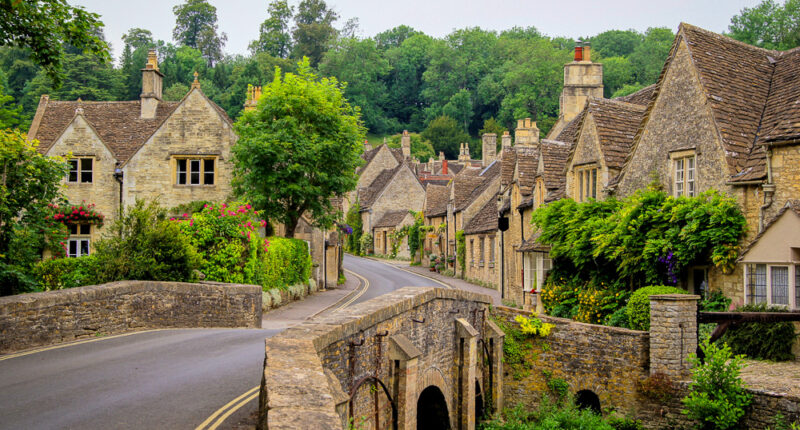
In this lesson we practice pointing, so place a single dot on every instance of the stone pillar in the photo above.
(466, 358)
(403, 352)
(495, 337)
(506, 139)
(673, 334)
(405, 144)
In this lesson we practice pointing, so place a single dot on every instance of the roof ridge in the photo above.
(619, 102)
(729, 39)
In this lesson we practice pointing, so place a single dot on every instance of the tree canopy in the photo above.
(768, 25)
(196, 27)
(298, 149)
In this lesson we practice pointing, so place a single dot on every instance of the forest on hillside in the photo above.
(472, 80)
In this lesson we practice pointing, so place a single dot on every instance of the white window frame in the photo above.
(80, 170)
(79, 239)
(793, 283)
(684, 173)
(586, 179)
(191, 169)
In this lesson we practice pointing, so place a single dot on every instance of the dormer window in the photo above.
(80, 171)
(586, 183)
(684, 174)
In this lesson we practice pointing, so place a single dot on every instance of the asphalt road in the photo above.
(164, 379)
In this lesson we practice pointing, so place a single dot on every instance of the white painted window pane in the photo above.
(84, 247)
(678, 178)
(194, 172)
(756, 283)
(73, 248)
(779, 277)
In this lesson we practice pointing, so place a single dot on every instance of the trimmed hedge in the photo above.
(60, 273)
(286, 262)
(638, 308)
(763, 341)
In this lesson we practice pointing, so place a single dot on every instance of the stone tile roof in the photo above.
(485, 220)
(118, 124)
(470, 170)
(526, 203)
(391, 219)
(791, 205)
(527, 163)
(487, 177)
(554, 158)
(428, 182)
(532, 243)
(368, 195)
(782, 114)
(641, 97)
(617, 123)
(436, 197)
(570, 132)
(369, 155)
(463, 187)
(454, 167)
(509, 160)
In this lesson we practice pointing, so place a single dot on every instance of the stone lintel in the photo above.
(402, 349)
(674, 297)
(464, 329)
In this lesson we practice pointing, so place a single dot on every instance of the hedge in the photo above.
(286, 262)
(638, 308)
(60, 273)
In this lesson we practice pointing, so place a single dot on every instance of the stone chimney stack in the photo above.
(506, 140)
(489, 148)
(152, 80)
(367, 146)
(526, 133)
(431, 165)
(405, 144)
(582, 79)
(463, 154)
(441, 155)
(251, 101)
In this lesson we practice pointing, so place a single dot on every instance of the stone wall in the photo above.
(608, 361)
(486, 270)
(404, 192)
(408, 339)
(785, 176)
(37, 319)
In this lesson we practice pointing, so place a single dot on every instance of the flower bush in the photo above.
(76, 214)
(534, 326)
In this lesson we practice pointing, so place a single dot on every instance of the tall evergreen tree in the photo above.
(313, 30)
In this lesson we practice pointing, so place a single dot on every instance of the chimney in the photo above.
(251, 100)
(587, 52)
(405, 144)
(444, 167)
(441, 155)
(582, 79)
(463, 154)
(367, 146)
(431, 165)
(506, 139)
(152, 80)
(489, 148)
(578, 53)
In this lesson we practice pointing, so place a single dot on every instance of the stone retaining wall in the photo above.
(30, 320)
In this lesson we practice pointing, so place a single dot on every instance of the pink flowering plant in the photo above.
(228, 241)
(77, 214)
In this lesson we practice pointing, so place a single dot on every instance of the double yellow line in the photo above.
(224, 412)
(65, 345)
(365, 286)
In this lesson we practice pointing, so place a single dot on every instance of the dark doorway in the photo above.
(587, 399)
(432, 410)
(479, 412)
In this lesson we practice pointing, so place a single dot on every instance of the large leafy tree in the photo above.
(313, 30)
(768, 25)
(446, 135)
(648, 58)
(134, 55)
(196, 27)
(298, 149)
(29, 182)
(47, 27)
(274, 37)
(10, 113)
(616, 43)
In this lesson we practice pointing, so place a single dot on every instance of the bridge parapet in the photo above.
(370, 365)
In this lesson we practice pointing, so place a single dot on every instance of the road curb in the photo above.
(343, 299)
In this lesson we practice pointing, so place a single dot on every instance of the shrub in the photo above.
(764, 341)
(717, 396)
(638, 308)
(366, 244)
(461, 251)
(715, 302)
(60, 273)
(287, 262)
(553, 415)
(141, 244)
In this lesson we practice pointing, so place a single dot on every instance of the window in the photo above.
(685, 174)
(481, 251)
(773, 284)
(472, 251)
(491, 249)
(779, 280)
(195, 171)
(587, 183)
(756, 283)
(80, 171)
(79, 238)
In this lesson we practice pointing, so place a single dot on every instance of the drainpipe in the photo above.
(118, 174)
(769, 191)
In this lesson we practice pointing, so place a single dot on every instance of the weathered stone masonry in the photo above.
(36, 319)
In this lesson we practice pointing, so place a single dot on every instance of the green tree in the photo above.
(274, 37)
(492, 126)
(409, 61)
(10, 113)
(420, 148)
(298, 149)
(768, 25)
(446, 135)
(30, 183)
(616, 43)
(394, 37)
(138, 38)
(176, 92)
(627, 89)
(134, 55)
(617, 72)
(196, 27)
(648, 58)
(313, 30)
(47, 27)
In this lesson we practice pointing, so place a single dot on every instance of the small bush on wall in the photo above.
(638, 308)
(60, 273)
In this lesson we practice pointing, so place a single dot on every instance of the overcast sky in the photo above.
(240, 19)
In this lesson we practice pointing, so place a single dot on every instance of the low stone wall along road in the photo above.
(157, 379)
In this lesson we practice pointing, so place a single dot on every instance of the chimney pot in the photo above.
(444, 167)
(578, 53)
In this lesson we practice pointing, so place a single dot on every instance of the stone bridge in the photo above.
(417, 355)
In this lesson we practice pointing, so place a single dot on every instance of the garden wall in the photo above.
(36, 319)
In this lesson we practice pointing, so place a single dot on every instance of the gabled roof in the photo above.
(554, 159)
(369, 155)
(487, 176)
(368, 195)
(436, 197)
(485, 220)
(463, 187)
(118, 124)
(532, 243)
(642, 97)
(509, 157)
(391, 219)
(527, 162)
(791, 205)
(570, 132)
(782, 115)
(617, 123)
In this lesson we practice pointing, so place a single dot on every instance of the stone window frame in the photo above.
(492, 252)
(80, 170)
(688, 175)
(765, 277)
(80, 234)
(539, 195)
(586, 174)
(482, 253)
(175, 159)
(472, 252)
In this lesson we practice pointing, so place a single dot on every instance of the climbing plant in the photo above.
(461, 250)
(353, 219)
(414, 233)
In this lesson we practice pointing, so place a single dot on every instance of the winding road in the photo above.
(161, 379)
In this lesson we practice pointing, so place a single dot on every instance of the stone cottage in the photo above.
(391, 222)
(176, 152)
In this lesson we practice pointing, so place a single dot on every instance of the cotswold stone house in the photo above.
(176, 152)
(725, 116)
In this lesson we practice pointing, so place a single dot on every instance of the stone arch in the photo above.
(480, 401)
(432, 410)
(433, 376)
(587, 399)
